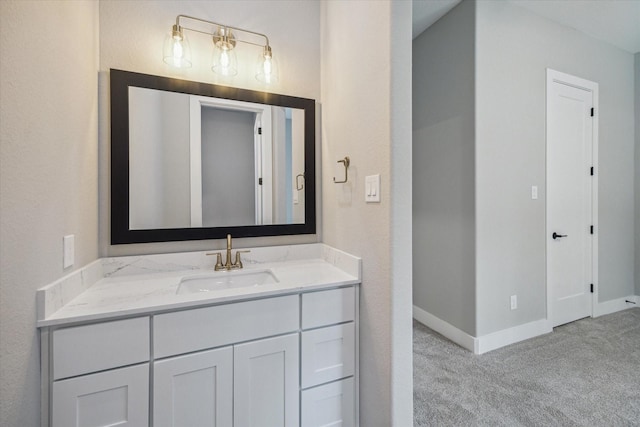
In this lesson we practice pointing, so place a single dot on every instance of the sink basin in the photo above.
(226, 280)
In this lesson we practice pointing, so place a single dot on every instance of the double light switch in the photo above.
(372, 188)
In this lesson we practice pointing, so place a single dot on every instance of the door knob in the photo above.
(557, 236)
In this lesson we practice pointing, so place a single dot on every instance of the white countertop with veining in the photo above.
(131, 286)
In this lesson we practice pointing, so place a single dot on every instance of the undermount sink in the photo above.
(225, 280)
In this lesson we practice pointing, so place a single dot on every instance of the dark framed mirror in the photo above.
(193, 161)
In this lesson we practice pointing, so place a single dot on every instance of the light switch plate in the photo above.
(68, 250)
(372, 188)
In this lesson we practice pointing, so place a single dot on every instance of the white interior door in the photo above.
(570, 143)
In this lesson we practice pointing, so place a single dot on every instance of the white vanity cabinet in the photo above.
(280, 361)
(254, 383)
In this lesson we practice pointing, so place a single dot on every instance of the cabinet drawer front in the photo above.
(85, 349)
(329, 405)
(327, 354)
(199, 329)
(328, 307)
(118, 397)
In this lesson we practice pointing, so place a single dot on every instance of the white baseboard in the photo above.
(614, 305)
(513, 335)
(454, 334)
(484, 343)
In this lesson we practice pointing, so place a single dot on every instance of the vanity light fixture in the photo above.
(224, 37)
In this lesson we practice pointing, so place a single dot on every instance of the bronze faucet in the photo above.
(228, 265)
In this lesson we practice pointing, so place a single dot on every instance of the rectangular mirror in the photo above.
(197, 161)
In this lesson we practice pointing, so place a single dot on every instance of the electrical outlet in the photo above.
(514, 302)
(534, 192)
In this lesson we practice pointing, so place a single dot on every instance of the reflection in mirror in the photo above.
(198, 161)
(195, 161)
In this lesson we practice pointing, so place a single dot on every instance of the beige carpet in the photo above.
(586, 373)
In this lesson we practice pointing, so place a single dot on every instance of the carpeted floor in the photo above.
(586, 373)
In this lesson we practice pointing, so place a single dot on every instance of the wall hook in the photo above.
(346, 163)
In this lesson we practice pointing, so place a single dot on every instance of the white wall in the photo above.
(444, 169)
(514, 47)
(366, 116)
(48, 174)
(131, 38)
(159, 185)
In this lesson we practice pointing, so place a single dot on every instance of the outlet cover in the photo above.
(514, 302)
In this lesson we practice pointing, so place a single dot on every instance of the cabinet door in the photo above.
(194, 390)
(117, 397)
(266, 383)
(329, 405)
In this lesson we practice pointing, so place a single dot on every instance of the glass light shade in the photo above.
(267, 68)
(225, 62)
(177, 52)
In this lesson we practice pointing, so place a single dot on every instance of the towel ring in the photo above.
(346, 162)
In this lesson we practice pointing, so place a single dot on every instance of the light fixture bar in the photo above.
(221, 26)
(177, 52)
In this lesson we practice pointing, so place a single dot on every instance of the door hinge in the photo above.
(259, 131)
(592, 171)
(593, 112)
(259, 181)
(592, 288)
(591, 229)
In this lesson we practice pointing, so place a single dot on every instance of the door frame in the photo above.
(577, 82)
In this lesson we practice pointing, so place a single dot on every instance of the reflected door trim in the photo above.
(262, 149)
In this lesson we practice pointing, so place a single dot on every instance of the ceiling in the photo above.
(615, 22)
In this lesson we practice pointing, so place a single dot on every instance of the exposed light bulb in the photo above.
(176, 49)
(267, 66)
(224, 60)
(267, 69)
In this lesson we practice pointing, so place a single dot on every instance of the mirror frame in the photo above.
(120, 231)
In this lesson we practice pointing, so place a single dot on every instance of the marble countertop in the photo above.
(153, 290)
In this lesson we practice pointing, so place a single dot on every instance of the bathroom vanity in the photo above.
(273, 344)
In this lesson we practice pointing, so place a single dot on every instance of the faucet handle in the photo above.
(219, 265)
(238, 263)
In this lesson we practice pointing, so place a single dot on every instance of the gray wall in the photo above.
(443, 169)
(637, 185)
(48, 175)
(228, 168)
(514, 47)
